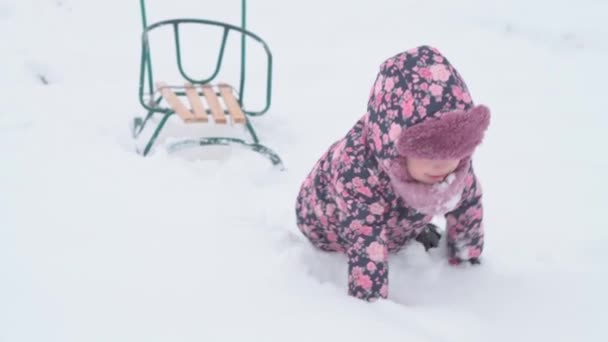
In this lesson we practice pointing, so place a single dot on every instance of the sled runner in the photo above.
(200, 100)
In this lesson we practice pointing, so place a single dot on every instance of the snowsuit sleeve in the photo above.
(363, 228)
(465, 224)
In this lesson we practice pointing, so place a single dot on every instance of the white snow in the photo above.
(100, 244)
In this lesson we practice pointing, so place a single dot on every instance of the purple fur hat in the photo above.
(452, 135)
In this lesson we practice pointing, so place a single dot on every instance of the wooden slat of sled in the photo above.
(196, 104)
(233, 106)
(214, 104)
(174, 102)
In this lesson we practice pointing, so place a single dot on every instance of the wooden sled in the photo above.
(200, 100)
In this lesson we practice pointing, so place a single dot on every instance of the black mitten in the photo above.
(429, 237)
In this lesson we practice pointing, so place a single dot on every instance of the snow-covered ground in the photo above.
(100, 244)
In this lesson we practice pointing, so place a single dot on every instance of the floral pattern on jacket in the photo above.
(347, 203)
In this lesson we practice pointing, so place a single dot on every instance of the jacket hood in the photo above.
(419, 106)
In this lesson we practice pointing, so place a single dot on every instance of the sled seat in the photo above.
(203, 101)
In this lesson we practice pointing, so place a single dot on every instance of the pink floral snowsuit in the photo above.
(348, 202)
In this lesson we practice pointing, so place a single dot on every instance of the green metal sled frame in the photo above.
(153, 102)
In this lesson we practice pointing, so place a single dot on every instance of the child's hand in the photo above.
(429, 237)
(474, 261)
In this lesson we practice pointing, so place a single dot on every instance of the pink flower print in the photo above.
(425, 73)
(378, 85)
(341, 204)
(424, 86)
(361, 187)
(378, 100)
(453, 232)
(400, 64)
(389, 84)
(323, 220)
(377, 141)
(355, 225)
(392, 114)
(376, 252)
(356, 272)
(338, 150)
(469, 180)
(365, 230)
(454, 261)
(358, 245)
(475, 213)
(330, 209)
(436, 89)
(392, 246)
(466, 97)
(478, 191)
(333, 219)
(426, 101)
(331, 236)
(371, 180)
(376, 209)
(383, 238)
(474, 252)
(339, 187)
(318, 210)
(364, 281)
(384, 291)
(364, 190)
(407, 107)
(440, 72)
(394, 132)
(438, 58)
(370, 219)
(454, 226)
(358, 227)
(306, 228)
(421, 111)
(415, 79)
(371, 266)
(457, 92)
(345, 158)
(334, 246)
(387, 98)
(313, 202)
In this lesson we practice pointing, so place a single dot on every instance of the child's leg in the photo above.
(320, 235)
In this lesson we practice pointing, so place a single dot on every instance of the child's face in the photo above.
(431, 171)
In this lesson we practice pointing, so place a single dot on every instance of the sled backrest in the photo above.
(146, 69)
